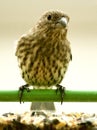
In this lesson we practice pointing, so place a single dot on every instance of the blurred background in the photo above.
(17, 17)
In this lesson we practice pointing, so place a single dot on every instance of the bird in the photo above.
(44, 52)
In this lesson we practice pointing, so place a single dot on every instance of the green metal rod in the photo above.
(48, 95)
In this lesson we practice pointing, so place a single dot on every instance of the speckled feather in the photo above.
(44, 53)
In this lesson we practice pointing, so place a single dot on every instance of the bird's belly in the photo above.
(44, 73)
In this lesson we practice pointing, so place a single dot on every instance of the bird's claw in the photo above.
(61, 89)
(21, 90)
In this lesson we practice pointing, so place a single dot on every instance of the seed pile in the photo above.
(41, 120)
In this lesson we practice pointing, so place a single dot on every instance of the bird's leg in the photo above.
(61, 89)
(21, 90)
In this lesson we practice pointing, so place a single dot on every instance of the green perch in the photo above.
(45, 95)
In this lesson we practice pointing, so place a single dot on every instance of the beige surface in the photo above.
(18, 16)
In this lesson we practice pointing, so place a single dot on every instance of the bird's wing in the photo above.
(71, 57)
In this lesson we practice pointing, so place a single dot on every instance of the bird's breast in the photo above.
(44, 67)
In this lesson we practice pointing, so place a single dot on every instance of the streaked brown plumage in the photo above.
(44, 53)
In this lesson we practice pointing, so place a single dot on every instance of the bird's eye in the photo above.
(49, 17)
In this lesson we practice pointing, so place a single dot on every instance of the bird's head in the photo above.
(53, 20)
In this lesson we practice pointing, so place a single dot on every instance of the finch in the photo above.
(44, 52)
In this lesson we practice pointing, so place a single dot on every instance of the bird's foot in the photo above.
(61, 89)
(21, 90)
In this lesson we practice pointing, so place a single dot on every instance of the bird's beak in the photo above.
(63, 21)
